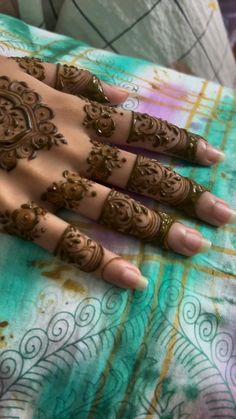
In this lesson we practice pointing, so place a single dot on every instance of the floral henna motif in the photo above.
(23, 221)
(151, 178)
(102, 159)
(32, 66)
(25, 125)
(70, 79)
(163, 136)
(126, 215)
(79, 250)
(99, 118)
(68, 193)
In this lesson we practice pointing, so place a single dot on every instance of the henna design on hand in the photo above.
(162, 183)
(32, 66)
(79, 250)
(68, 193)
(22, 222)
(25, 124)
(126, 215)
(70, 79)
(102, 159)
(163, 136)
(99, 118)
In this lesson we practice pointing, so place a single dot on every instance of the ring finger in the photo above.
(122, 213)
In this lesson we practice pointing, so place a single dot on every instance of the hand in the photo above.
(53, 154)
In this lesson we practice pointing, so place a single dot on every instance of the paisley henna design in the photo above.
(68, 193)
(126, 215)
(150, 178)
(70, 79)
(162, 135)
(99, 118)
(32, 66)
(79, 250)
(102, 159)
(25, 125)
(22, 222)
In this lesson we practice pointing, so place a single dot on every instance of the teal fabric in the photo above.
(75, 347)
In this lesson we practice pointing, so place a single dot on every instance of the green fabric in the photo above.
(75, 347)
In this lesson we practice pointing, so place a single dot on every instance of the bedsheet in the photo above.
(72, 346)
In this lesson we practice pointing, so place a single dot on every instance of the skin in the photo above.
(31, 178)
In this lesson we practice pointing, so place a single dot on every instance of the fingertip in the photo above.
(115, 94)
(207, 155)
(123, 274)
(187, 241)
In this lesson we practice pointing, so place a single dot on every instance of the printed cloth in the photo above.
(228, 9)
(187, 35)
(74, 347)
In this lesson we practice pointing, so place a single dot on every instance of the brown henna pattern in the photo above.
(70, 192)
(150, 178)
(79, 250)
(25, 124)
(23, 221)
(32, 66)
(99, 118)
(126, 215)
(102, 160)
(70, 79)
(163, 136)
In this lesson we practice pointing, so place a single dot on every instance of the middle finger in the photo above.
(136, 173)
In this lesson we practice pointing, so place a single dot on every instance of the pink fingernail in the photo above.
(134, 280)
(196, 243)
(224, 214)
(214, 155)
(124, 274)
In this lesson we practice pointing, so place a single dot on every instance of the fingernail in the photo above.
(195, 243)
(134, 280)
(205, 246)
(109, 87)
(124, 274)
(224, 214)
(214, 155)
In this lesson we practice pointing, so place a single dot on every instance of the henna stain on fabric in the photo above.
(70, 79)
(3, 343)
(4, 323)
(57, 273)
(73, 286)
(25, 124)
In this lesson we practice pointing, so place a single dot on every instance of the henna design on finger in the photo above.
(31, 66)
(79, 250)
(163, 136)
(70, 192)
(150, 178)
(102, 160)
(99, 118)
(70, 79)
(25, 124)
(126, 215)
(22, 221)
